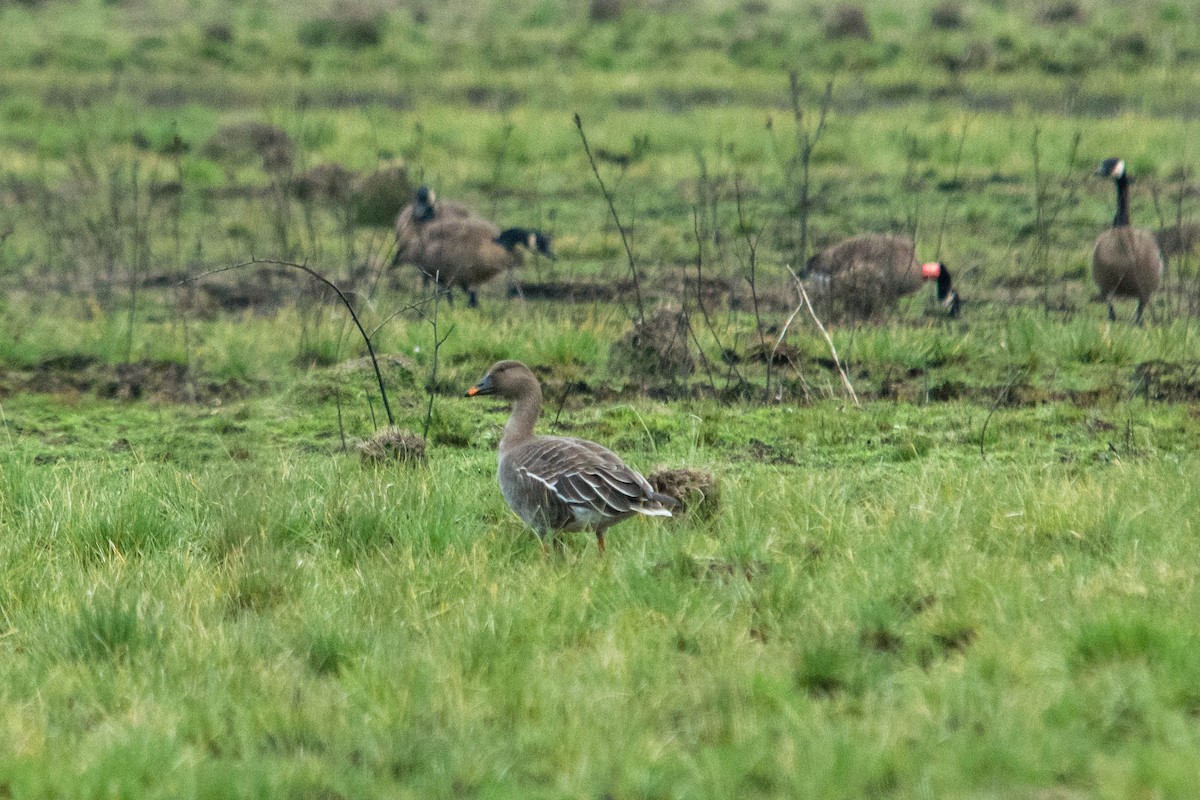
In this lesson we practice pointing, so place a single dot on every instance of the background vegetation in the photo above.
(979, 582)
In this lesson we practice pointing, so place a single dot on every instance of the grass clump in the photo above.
(111, 624)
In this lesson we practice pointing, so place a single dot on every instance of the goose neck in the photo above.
(1122, 218)
(526, 408)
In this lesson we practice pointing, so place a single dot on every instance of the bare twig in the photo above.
(341, 296)
(438, 341)
(637, 289)
(779, 341)
(828, 340)
(1000, 398)
(962, 140)
(752, 237)
(712, 330)
(806, 142)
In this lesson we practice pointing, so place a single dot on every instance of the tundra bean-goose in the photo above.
(1126, 261)
(557, 483)
(871, 271)
(467, 251)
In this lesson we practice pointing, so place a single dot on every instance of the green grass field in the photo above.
(980, 581)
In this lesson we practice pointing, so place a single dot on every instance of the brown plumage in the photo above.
(870, 272)
(557, 483)
(467, 251)
(424, 209)
(1178, 240)
(1126, 261)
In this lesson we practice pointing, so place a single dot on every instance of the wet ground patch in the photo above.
(150, 380)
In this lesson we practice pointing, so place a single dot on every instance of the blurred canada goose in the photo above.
(467, 251)
(1177, 240)
(872, 271)
(411, 222)
(1126, 261)
(555, 483)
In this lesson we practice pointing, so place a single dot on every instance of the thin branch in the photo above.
(345, 301)
(828, 340)
(962, 140)
(637, 289)
(1000, 398)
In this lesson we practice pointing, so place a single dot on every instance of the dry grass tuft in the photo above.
(696, 490)
(657, 349)
(241, 143)
(378, 197)
(848, 22)
(393, 444)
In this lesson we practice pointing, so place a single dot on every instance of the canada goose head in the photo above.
(1111, 168)
(535, 241)
(946, 293)
(423, 200)
(509, 379)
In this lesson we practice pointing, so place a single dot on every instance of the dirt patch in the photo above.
(162, 381)
(577, 292)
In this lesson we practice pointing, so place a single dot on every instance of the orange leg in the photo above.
(600, 541)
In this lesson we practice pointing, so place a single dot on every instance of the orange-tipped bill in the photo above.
(485, 386)
(931, 271)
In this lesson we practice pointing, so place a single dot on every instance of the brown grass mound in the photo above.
(239, 144)
(848, 22)
(656, 349)
(1063, 12)
(392, 444)
(696, 490)
(328, 183)
(378, 197)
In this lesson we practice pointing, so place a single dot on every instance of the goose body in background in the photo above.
(414, 217)
(1126, 261)
(1178, 240)
(468, 251)
(871, 271)
(558, 483)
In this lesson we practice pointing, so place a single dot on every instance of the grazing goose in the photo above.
(1126, 261)
(424, 209)
(555, 483)
(467, 251)
(1178, 240)
(871, 271)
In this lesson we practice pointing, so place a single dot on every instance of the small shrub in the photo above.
(1063, 12)
(656, 349)
(330, 183)
(947, 16)
(218, 33)
(848, 22)
(605, 10)
(240, 143)
(378, 197)
(351, 31)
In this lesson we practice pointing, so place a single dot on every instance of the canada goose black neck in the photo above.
(511, 237)
(423, 204)
(1121, 220)
(947, 294)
